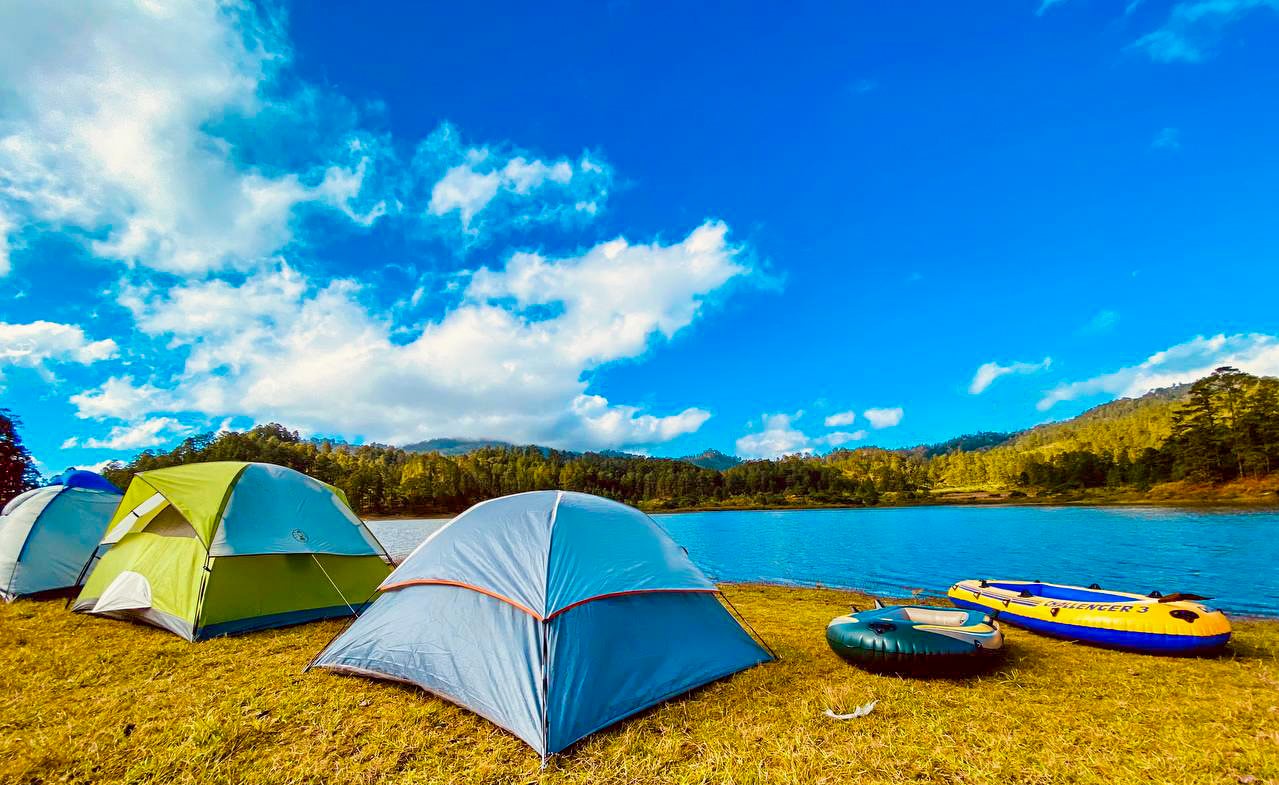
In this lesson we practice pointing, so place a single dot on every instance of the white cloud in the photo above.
(513, 357)
(838, 438)
(777, 436)
(6, 246)
(840, 418)
(1185, 362)
(136, 436)
(1194, 27)
(484, 189)
(1044, 5)
(216, 308)
(623, 425)
(464, 190)
(127, 123)
(37, 345)
(174, 140)
(96, 467)
(116, 398)
(883, 418)
(987, 373)
(228, 426)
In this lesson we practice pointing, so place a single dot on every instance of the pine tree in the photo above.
(17, 468)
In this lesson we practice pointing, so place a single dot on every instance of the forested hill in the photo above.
(1223, 428)
(449, 446)
(1128, 423)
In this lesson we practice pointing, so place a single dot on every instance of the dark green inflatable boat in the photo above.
(916, 638)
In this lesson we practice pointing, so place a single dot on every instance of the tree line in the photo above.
(1221, 428)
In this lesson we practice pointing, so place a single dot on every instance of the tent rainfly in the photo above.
(47, 534)
(551, 614)
(210, 549)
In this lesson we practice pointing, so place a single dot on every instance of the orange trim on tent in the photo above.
(460, 585)
(525, 608)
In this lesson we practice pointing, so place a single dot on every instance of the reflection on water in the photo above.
(1231, 555)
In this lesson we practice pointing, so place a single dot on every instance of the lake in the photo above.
(1231, 555)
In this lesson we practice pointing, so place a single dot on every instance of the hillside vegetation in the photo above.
(1222, 429)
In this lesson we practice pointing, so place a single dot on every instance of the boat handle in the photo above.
(881, 627)
(1184, 615)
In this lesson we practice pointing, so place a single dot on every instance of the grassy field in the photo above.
(94, 700)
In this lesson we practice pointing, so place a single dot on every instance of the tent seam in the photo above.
(198, 621)
(26, 540)
(546, 630)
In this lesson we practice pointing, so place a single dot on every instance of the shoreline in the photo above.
(935, 598)
(1170, 503)
(1266, 502)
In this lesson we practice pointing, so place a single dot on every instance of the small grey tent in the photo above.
(47, 534)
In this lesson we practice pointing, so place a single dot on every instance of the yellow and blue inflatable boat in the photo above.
(1175, 624)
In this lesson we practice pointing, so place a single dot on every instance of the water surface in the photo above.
(1231, 555)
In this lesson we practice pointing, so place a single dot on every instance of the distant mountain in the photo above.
(611, 454)
(458, 446)
(453, 446)
(712, 459)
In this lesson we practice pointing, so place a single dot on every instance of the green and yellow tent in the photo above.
(210, 549)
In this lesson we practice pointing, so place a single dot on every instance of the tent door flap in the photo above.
(129, 591)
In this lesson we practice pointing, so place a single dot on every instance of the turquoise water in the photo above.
(1230, 555)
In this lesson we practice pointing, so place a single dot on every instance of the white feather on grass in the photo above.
(860, 711)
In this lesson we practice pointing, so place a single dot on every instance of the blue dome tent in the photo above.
(551, 614)
(47, 534)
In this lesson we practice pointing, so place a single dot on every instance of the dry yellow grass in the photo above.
(94, 700)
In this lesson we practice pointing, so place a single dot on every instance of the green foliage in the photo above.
(713, 459)
(1223, 427)
(969, 442)
(17, 469)
(1227, 429)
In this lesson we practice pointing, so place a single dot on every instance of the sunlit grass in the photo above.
(94, 700)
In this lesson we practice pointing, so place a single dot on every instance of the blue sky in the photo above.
(621, 225)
